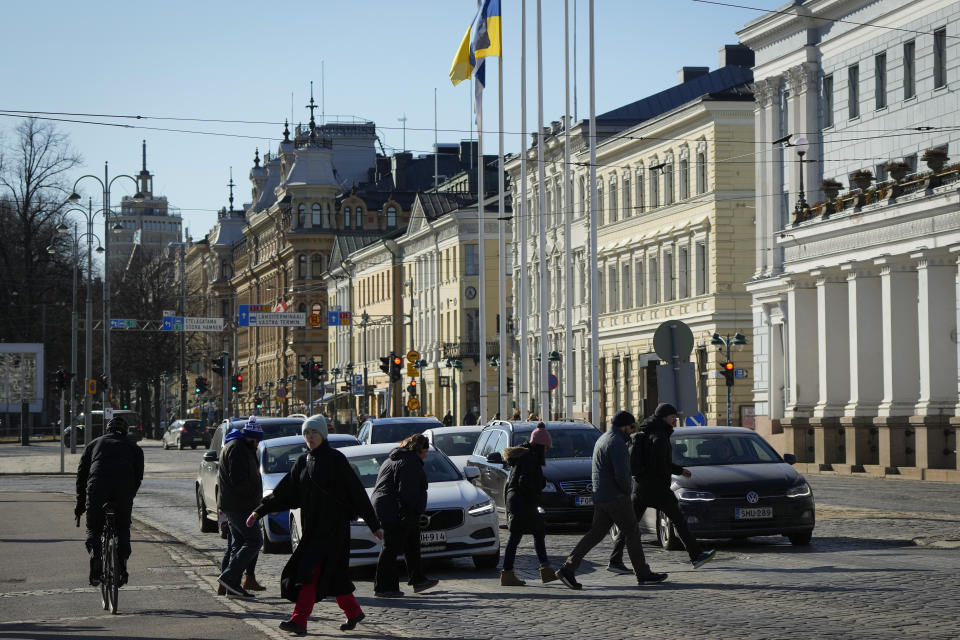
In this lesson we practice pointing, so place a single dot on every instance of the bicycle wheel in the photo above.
(114, 581)
(104, 572)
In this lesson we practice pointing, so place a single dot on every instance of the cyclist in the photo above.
(110, 470)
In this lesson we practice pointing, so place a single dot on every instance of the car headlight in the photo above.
(696, 496)
(481, 508)
(801, 490)
(550, 488)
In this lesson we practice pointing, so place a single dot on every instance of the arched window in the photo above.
(684, 178)
(391, 217)
(316, 265)
(701, 168)
(654, 186)
(302, 266)
(346, 217)
(359, 217)
(315, 214)
(613, 199)
(301, 216)
(668, 182)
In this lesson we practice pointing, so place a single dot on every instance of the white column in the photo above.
(900, 348)
(802, 328)
(866, 339)
(833, 344)
(937, 325)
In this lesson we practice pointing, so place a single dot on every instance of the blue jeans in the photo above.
(245, 543)
(250, 571)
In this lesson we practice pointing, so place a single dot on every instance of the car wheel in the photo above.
(193, 446)
(800, 539)
(666, 535)
(294, 534)
(179, 444)
(206, 525)
(486, 562)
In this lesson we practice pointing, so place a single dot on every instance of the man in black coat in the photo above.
(111, 470)
(652, 467)
(400, 499)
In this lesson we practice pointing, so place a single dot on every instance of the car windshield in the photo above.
(280, 459)
(456, 444)
(339, 444)
(397, 431)
(697, 450)
(367, 467)
(567, 443)
(277, 429)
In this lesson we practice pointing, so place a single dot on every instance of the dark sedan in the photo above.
(739, 487)
(183, 433)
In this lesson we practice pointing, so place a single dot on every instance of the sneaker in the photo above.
(234, 590)
(351, 623)
(704, 558)
(388, 594)
(293, 627)
(652, 578)
(565, 574)
(619, 568)
(426, 584)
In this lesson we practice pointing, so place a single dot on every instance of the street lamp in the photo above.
(724, 343)
(455, 364)
(183, 335)
(802, 147)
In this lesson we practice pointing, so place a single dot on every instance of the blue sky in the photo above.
(242, 60)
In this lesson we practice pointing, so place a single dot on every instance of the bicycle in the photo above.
(109, 560)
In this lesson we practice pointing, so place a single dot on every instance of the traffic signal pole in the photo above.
(225, 377)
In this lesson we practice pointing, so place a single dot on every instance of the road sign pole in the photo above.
(676, 371)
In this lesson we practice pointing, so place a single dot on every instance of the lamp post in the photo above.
(454, 364)
(88, 321)
(335, 372)
(183, 335)
(724, 343)
(105, 185)
(364, 320)
(802, 147)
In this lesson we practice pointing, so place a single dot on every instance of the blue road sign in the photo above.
(243, 315)
(172, 323)
(357, 384)
(739, 373)
(333, 318)
(698, 420)
(551, 382)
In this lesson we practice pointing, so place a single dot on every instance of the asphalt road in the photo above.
(883, 564)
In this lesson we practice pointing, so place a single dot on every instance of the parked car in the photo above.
(276, 457)
(205, 486)
(457, 442)
(739, 487)
(568, 495)
(378, 430)
(460, 519)
(132, 418)
(183, 433)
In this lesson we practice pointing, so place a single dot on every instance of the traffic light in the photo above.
(237, 383)
(395, 368)
(196, 384)
(217, 366)
(385, 364)
(412, 388)
(316, 372)
(104, 383)
(305, 368)
(258, 401)
(728, 373)
(61, 378)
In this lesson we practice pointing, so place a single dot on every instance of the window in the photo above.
(939, 58)
(683, 268)
(701, 266)
(615, 383)
(583, 195)
(640, 191)
(582, 273)
(316, 265)
(614, 289)
(359, 213)
(669, 281)
(302, 265)
(654, 189)
(627, 206)
(347, 212)
(602, 301)
(599, 204)
(627, 287)
(640, 282)
(654, 281)
(853, 91)
(701, 172)
(668, 183)
(880, 80)
(391, 217)
(909, 70)
(472, 254)
(301, 216)
(613, 200)
(548, 207)
(315, 214)
(827, 97)
(684, 178)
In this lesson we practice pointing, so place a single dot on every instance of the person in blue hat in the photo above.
(240, 492)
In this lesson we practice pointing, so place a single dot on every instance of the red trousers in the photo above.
(308, 596)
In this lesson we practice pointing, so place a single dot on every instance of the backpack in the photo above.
(639, 448)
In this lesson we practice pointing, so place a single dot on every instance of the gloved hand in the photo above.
(79, 511)
(251, 519)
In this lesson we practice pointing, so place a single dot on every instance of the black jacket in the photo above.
(651, 463)
(329, 494)
(400, 495)
(238, 477)
(111, 469)
(524, 486)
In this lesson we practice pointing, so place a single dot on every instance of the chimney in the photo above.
(686, 74)
(736, 55)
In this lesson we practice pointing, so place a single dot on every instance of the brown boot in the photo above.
(547, 574)
(250, 583)
(510, 579)
(221, 590)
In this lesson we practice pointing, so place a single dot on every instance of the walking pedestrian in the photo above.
(329, 494)
(400, 498)
(651, 464)
(241, 488)
(448, 419)
(249, 573)
(470, 417)
(516, 415)
(524, 486)
(610, 474)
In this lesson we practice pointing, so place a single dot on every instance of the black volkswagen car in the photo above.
(568, 496)
(739, 487)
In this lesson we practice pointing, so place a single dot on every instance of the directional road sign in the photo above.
(178, 323)
(278, 319)
(123, 323)
(244, 311)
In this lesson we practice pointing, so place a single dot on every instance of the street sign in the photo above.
(345, 318)
(357, 384)
(244, 311)
(413, 356)
(281, 392)
(333, 318)
(172, 323)
(551, 382)
(123, 323)
(684, 398)
(314, 320)
(681, 339)
(179, 323)
(698, 420)
(412, 371)
(92, 386)
(739, 373)
(413, 404)
(444, 381)
(278, 319)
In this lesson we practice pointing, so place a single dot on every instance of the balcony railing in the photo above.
(461, 350)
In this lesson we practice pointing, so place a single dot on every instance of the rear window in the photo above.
(456, 444)
(280, 429)
(192, 425)
(397, 431)
(720, 449)
(280, 459)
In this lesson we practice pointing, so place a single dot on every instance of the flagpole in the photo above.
(594, 294)
(523, 222)
(436, 173)
(481, 239)
(574, 60)
(542, 244)
(568, 384)
(502, 254)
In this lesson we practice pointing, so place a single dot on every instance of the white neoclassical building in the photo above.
(854, 294)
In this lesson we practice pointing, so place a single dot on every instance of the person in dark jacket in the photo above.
(110, 471)
(448, 420)
(240, 490)
(329, 495)
(400, 499)
(652, 467)
(524, 486)
(470, 417)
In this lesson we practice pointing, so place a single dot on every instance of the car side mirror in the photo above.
(495, 457)
(789, 458)
(471, 472)
(210, 456)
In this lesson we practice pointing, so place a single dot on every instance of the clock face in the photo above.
(471, 293)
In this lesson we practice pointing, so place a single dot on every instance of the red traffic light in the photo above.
(413, 382)
(239, 378)
(727, 366)
(397, 360)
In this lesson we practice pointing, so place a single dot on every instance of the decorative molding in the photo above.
(764, 91)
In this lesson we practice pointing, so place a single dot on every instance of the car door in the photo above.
(210, 468)
(477, 458)
(498, 472)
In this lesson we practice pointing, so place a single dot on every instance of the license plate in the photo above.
(433, 537)
(583, 501)
(753, 513)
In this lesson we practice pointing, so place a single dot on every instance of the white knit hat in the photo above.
(316, 423)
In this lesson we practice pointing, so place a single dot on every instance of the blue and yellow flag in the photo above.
(482, 40)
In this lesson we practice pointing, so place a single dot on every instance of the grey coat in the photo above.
(611, 467)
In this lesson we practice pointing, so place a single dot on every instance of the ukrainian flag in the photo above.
(482, 40)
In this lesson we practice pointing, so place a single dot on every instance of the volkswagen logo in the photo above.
(752, 497)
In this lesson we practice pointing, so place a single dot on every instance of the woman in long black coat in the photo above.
(329, 494)
(524, 487)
